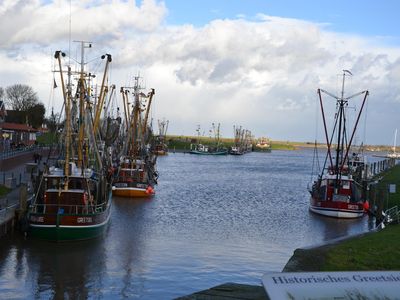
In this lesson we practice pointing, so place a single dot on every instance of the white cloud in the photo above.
(31, 21)
(261, 74)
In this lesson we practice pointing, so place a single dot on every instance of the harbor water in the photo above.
(214, 219)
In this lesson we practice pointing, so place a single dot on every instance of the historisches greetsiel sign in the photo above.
(333, 285)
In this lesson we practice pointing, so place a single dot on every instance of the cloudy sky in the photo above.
(254, 63)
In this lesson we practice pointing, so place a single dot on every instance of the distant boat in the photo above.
(242, 141)
(161, 147)
(215, 149)
(263, 145)
(201, 149)
(335, 193)
(234, 150)
(394, 154)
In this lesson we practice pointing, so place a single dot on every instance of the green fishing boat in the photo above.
(73, 192)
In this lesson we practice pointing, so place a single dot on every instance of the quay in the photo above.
(11, 207)
(229, 291)
(14, 172)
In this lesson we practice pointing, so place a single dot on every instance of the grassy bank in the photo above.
(371, 251)
(4, 190)
(376, 251)
(391, 176)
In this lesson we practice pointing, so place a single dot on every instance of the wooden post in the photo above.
(23, 195)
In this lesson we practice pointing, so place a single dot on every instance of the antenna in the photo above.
(70, 33)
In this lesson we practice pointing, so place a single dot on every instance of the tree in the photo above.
(1, 93)
(36, 115)
(21, 97)
(53, 122)
(25, 105)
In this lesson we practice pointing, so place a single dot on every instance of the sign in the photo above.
(333, 285)
(392, 188)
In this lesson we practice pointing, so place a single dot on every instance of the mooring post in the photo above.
(23, 196)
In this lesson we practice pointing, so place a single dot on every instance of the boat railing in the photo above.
(67, 208)
(392, 215)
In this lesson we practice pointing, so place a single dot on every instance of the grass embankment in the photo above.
(391, 176)
(4, 190)
(371, 251)
(375, 251)
(279, 145)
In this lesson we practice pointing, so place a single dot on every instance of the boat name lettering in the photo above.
(37, 219)
(84, 220)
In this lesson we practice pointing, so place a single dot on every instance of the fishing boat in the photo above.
(161, 147)
(136, 175)
(73, 194)
(394, 154)
(242, 142)
(215, 149)
(201, 149)
(263, 145)
(336, 193)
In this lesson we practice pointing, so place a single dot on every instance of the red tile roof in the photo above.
(17, 127)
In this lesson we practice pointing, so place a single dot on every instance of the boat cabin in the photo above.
(77, 198)
(345, 190)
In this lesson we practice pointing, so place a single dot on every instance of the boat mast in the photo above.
(340, 141)
(135, 119)
(150, 96)
(67, 103)
(82, 92)
(341, 102)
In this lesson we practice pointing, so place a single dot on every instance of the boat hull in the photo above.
(161, 152)
(208, 153)
(59, 227)
(62, 233)
(132, 192)
(235, 153)
(341, 210)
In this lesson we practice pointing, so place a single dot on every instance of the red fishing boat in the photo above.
(336, 193)
(136, 175)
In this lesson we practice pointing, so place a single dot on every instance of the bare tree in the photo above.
(21, 97)
(1, 93)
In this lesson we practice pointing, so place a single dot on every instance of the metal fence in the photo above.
(13, 179)
(18, 151)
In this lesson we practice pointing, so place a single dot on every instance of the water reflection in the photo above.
(129, 245)
(53, 270)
